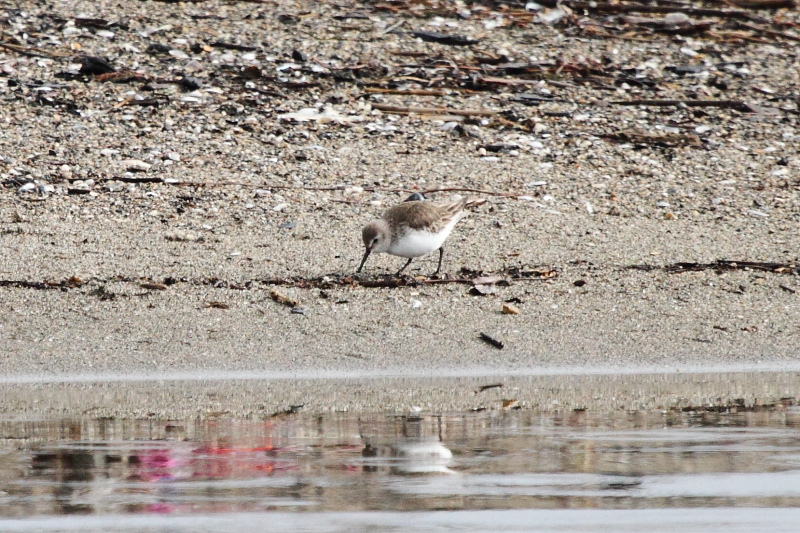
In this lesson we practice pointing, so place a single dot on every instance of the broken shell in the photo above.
(135, 165)
(180, 236)
(487, 280)
(28, 187)
(483, 290)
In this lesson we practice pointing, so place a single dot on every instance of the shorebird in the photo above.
(414, 228)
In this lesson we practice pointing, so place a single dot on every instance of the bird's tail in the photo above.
(458, 207)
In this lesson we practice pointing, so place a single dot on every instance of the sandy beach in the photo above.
(149, 213)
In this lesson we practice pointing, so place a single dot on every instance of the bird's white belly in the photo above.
(415, 243)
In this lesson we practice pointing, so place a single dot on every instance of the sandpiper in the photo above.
(414, 228)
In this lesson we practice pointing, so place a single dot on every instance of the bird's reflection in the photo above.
(408, 456)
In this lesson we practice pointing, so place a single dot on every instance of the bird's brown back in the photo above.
(422, 215)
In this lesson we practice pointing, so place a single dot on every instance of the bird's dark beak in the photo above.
(364, 260)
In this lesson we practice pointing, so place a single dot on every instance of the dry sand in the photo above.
(723, 186)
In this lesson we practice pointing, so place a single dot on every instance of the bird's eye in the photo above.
(374, 241)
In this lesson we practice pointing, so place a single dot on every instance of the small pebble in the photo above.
(190, 83)
(676, 18)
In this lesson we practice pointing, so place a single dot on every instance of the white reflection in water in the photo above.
(410, 457)
(506, 470)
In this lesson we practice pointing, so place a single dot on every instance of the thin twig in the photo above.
(33, 52)
(608, 7)
(728, 104)
(308, 187)
(730, 35)
(772, 33)
(434, 110)
(393, 27)
(506, 81)
(477, 191)
(33, 198)
(763, 4)
(412, 92)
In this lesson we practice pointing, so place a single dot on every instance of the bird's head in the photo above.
(377, 238)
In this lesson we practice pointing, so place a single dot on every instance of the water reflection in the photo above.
(507, 460)
(411, 448)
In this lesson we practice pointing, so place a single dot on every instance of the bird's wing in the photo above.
(415, 215)
(428, 216)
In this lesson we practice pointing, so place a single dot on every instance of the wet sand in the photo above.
(266, 398)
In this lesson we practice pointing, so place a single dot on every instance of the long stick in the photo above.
(730, 104)
(435, 110)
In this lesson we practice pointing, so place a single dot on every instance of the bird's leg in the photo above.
(441, 254)
(404, 266)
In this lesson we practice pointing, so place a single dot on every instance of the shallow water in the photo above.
(516, 471)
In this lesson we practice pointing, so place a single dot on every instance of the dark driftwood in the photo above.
(491, 341)
(722, 264)
(467, 277)
(777, 268)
